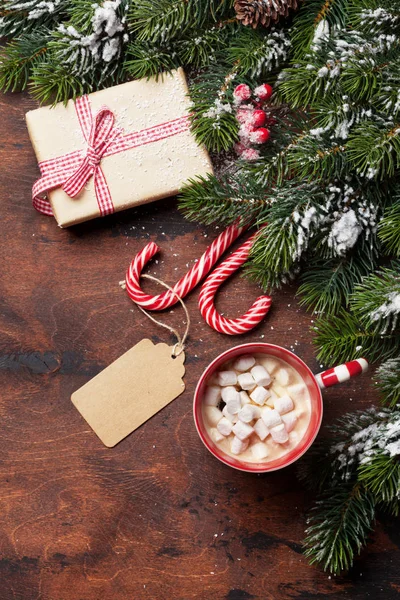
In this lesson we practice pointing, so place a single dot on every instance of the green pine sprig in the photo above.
(376, 300)
(20, 57)
(342, 337)
(338, 527)
(327, 284)
(389, 229)
(356, 474)
(388, 381)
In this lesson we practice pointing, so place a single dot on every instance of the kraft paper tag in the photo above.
(131, 390)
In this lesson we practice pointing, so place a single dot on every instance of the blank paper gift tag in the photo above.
(131, 390)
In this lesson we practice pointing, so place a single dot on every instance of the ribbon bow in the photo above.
(101, 135)
(72, 171)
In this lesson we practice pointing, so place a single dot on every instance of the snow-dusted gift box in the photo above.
(117, 148)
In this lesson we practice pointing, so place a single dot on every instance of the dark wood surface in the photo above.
(157, 517)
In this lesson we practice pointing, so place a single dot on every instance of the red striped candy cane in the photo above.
(341, 373)
(256, 312)
(187, 282)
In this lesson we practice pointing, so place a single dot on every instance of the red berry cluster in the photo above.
(252, 118)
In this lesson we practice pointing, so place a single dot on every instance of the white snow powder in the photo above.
(321, 35)
(344, 232)
(389, 310)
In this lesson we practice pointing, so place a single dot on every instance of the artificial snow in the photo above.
(382, 435)
(344, 232)
(389, 310)
(321, 35)
(218, 109)
(41, 9)
(103, 44)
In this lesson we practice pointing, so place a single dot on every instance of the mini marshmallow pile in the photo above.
(250, 402)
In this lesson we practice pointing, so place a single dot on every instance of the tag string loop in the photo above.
(180, 345)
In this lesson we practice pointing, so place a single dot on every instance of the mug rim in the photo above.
(235, 463)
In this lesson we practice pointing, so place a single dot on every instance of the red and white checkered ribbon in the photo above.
(341, 373)
(72, 171)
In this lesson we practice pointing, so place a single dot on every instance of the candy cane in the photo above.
(252, 317)
(187, 282)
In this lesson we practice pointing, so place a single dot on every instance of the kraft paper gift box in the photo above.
(114, 149)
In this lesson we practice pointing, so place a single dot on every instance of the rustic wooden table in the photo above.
(156, 517)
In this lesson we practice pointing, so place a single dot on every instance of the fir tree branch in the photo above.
(202, 50)
(159, 20)
(311, 14)
(19, 58)
(388, 382)
(374, 150)
(51, 82)
(213, 122)
(338, 527)
(343, 338)
(326, 285)
(389, 228)
(223, 200)
(292, 216)
(22, 18)
(256, 52)
(143, 60)
(381, 476)
(376, 301)
(360, 471)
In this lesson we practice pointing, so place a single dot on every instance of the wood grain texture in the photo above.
(157, 517)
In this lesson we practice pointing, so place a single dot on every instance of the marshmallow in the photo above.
(232, 400)
(297, 391)
(273, 395)
(271, 400)
(242, 430)
(279, 434)
(238, 446)
(261, 376)
(248, 413)
(259, 450)
(278, 390)
(244, 363)
(282, 376)
(271, 417)
(270, 364)
(216, 436)
(244, 398)
(284, 404)
(228, 415)
(289, 420)
(224, 426)
(259, 395)
(228, 392)
(212, 395)
(246, 381)
(213, 414)
(227, 378)
(261, 429)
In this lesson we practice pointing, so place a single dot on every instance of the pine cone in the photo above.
(262, 12)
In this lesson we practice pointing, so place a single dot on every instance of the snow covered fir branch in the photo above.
(324, 190)
(356, 476)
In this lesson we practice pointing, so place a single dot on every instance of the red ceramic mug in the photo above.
(313, 382)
